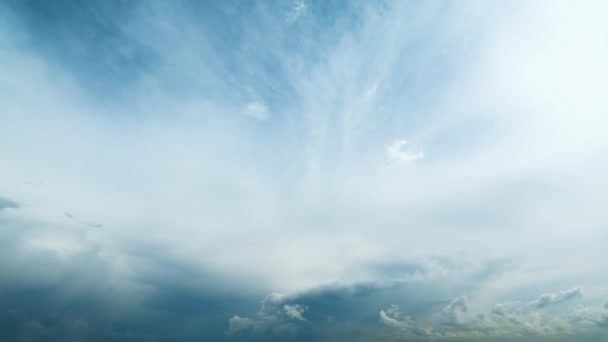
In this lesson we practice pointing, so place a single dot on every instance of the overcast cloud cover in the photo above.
(315, 170)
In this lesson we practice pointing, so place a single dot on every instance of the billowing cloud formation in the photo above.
(455, 320)
(546, 300)
(239, 324)
(506, 320)
(173, 164)
(556, 298)
(456, 311)
(295, 311)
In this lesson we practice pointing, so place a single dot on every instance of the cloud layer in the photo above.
(303, 169)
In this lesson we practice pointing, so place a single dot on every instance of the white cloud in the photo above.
(508, 319)
(298, 9)
(388, 321)
(295, 311)
(549, 299)
(455, 312)
(238, 324)
(513, 115)
(401, 151)
(258, 111)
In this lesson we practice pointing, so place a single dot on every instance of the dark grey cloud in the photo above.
(58, 295)
(452, 322)
(350, 311)
(84, 295)
(102, 309)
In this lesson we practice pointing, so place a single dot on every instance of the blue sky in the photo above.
(302, 169)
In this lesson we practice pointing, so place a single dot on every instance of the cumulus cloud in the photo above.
(506, 319)
(403, 323)
(388, 321)
(295, 311)
(406, 326)
(274, 319)
(238, 324)
(351, 305)
(544, 301)
(455, 311)
(549, 299)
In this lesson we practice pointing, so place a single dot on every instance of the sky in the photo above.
(307, 170)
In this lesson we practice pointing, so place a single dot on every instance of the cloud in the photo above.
(549, 299)
(6, 203)
(139, 115)
(95, 224)
(388, 321)
(400, 151)
(295, 311)
(403, 323)
(544, 301)
(455, 311)
(238, 324)
(258, 111)
(507, 319)
(271, 321)
(298, 9)
(82, 289)
(357, 305)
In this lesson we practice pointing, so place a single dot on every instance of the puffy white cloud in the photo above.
(239, 324)
(295, 311)
(388, 321)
